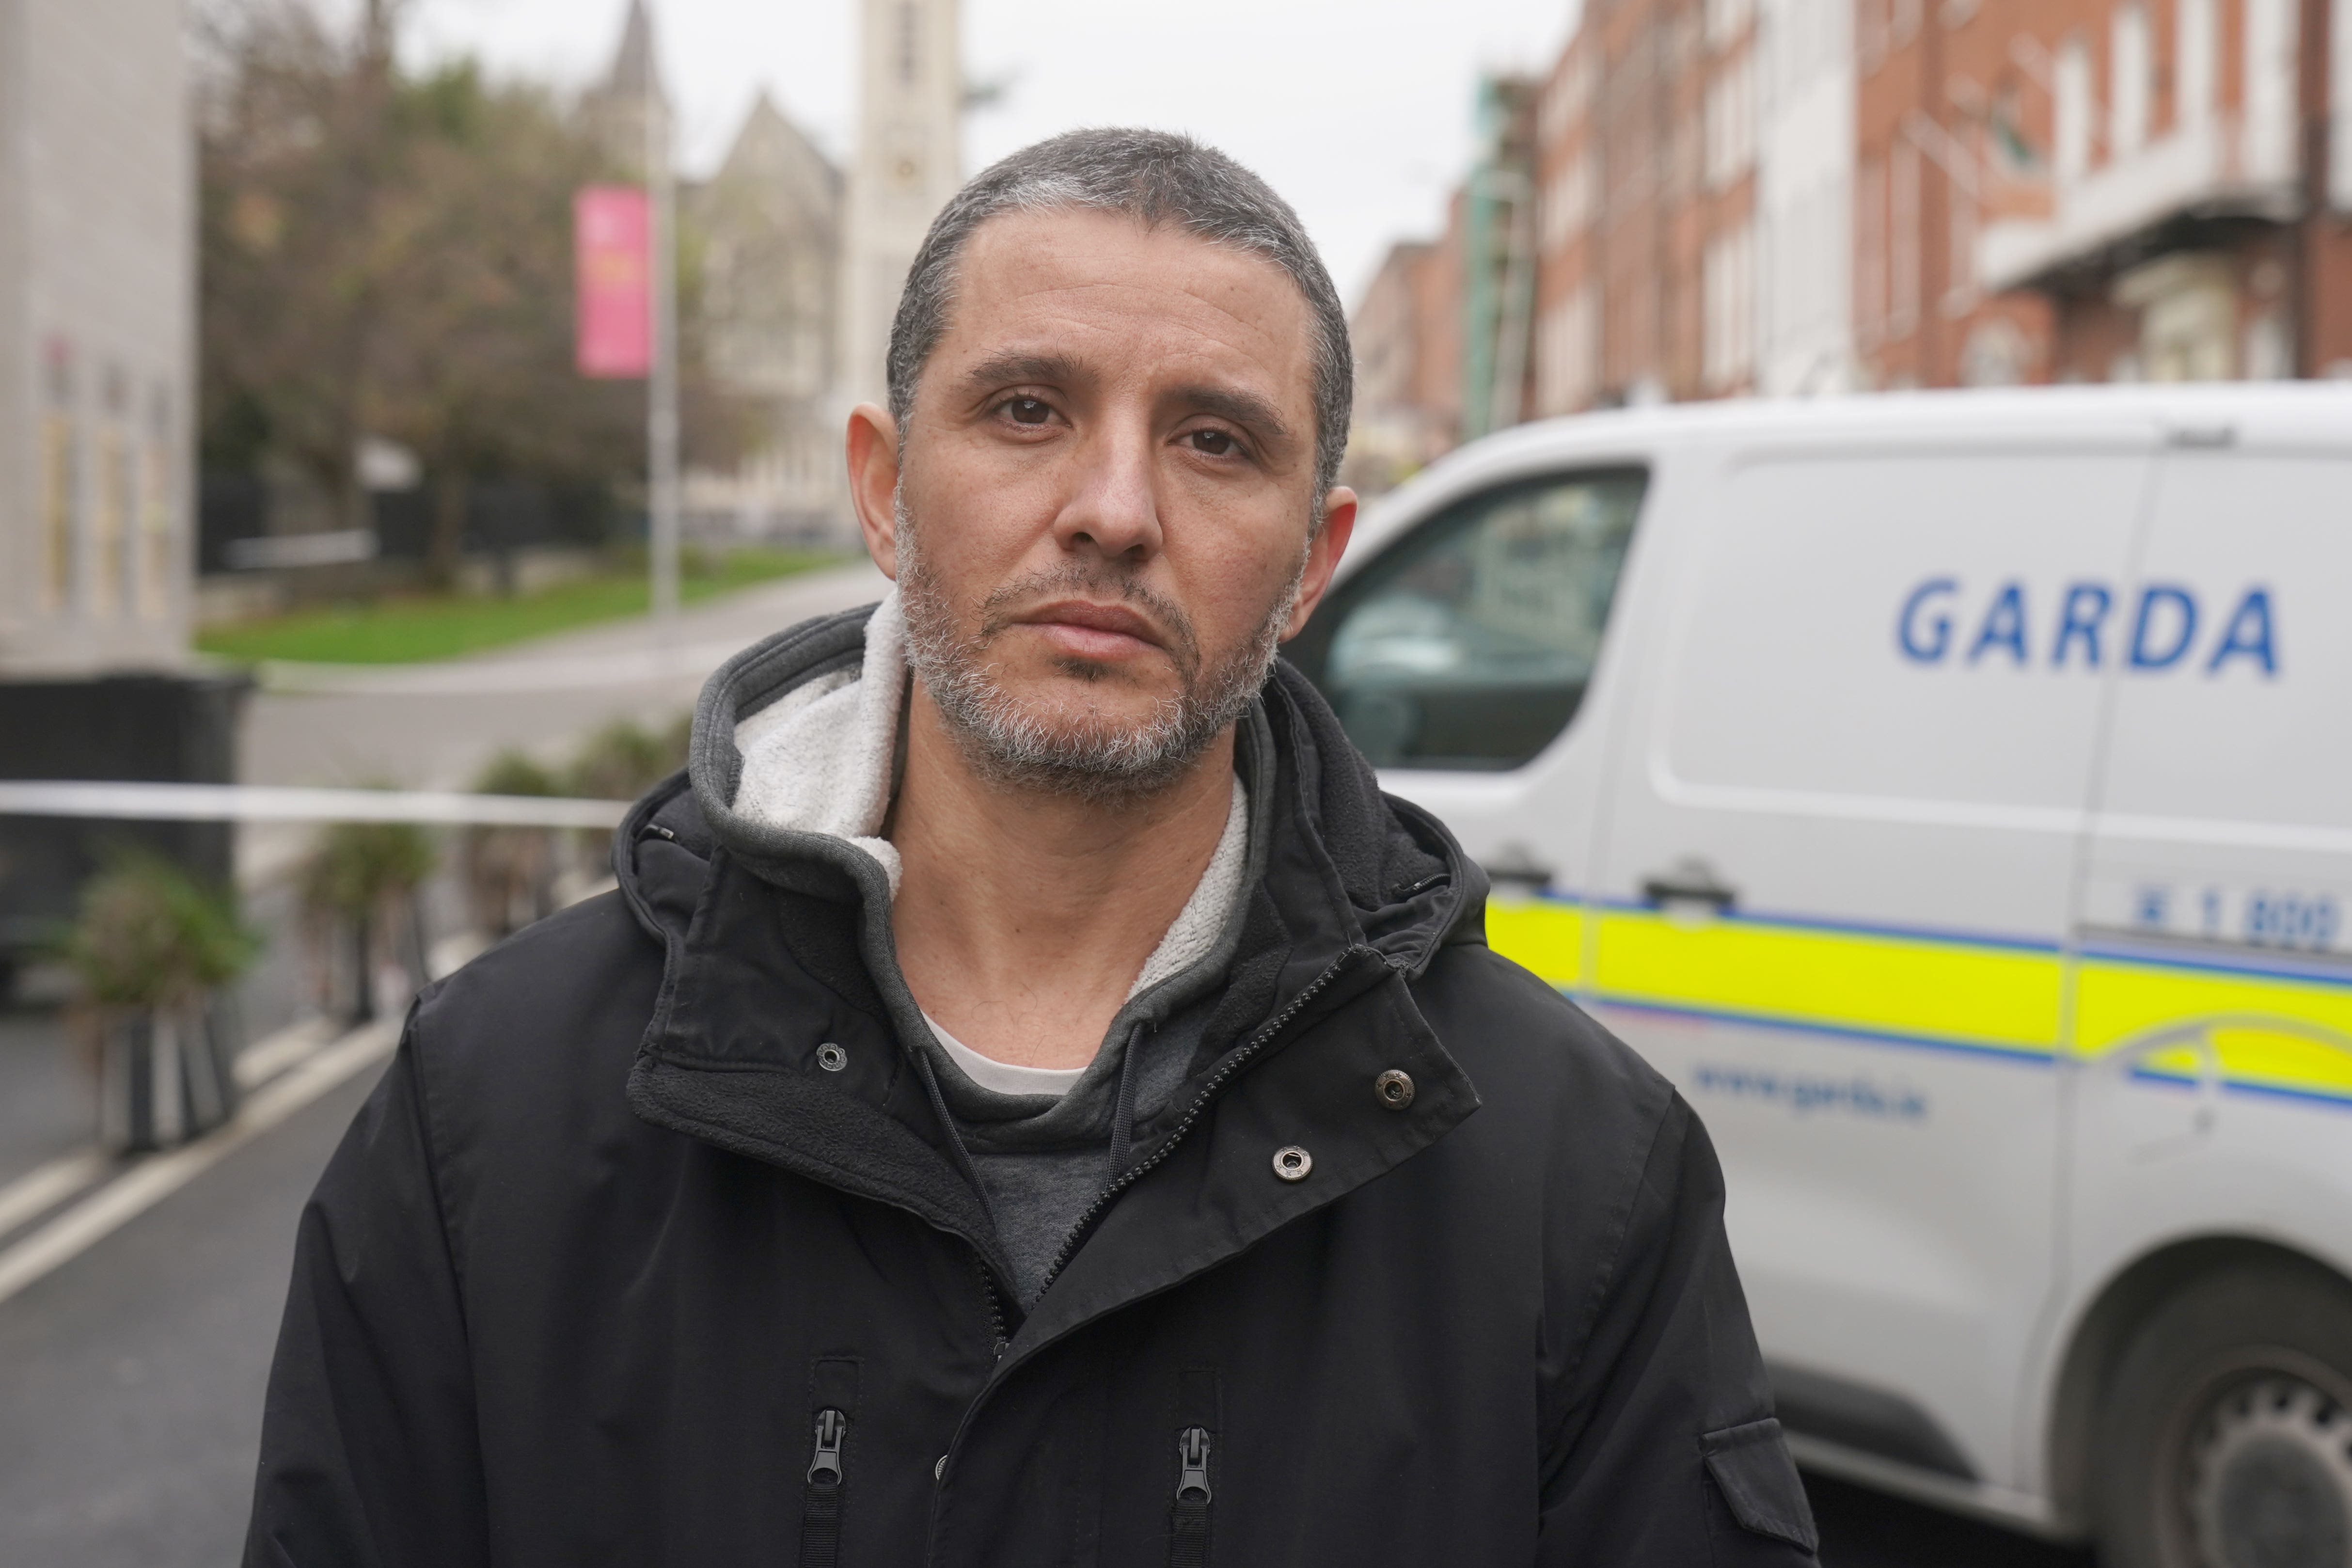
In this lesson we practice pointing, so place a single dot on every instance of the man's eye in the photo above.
(1215, 443)
(1028, 411)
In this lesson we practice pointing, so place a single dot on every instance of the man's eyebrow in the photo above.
(1006, 369)
(1246, 409)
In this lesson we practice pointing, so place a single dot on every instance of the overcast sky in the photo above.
(1358, 110)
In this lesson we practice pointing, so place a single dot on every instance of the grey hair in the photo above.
(1154, 177)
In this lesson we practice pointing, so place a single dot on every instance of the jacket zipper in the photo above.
(821, 1498)
(1188, 1527)
(996, 1334)
(1238, 1061)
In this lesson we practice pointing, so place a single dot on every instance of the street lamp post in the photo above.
(661, 386)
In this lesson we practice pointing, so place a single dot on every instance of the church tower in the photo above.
(619, 105)
(908, 163)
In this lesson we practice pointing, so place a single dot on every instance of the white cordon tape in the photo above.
(271, 803)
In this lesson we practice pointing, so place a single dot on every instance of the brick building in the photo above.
(1408, 400)
(2101, 190)
(1606, 247)
(1789, 198)
(1646, 161)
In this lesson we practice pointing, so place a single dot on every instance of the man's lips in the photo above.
(1090, 630)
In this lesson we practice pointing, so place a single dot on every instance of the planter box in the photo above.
(167, 1076)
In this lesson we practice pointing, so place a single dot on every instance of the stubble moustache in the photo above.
(1066, 744)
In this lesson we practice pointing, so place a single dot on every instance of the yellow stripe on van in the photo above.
(1544, 935)
(2262, 1031)
(1924, 988)
(2275, 1033)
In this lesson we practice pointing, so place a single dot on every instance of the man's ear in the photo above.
(1323, 552)
(873, 445)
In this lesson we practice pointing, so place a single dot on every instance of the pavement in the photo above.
(140, 1298)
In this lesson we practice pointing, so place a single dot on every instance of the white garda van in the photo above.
(1952, 793)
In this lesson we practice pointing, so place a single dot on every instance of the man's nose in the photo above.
(1113, 507)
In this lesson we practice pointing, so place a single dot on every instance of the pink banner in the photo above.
(613, 258)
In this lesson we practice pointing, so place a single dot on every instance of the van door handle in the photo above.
(1515, 865)
(1688, 884)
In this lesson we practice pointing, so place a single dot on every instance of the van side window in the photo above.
(1468, 644)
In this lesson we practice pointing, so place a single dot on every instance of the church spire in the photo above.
(634, 74)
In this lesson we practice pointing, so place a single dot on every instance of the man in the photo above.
(1032, 1100)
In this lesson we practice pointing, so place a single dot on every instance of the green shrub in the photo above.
(358, 866)
(516, 772)
(623, 761)
(149, 935)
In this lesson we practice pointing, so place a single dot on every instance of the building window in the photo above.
(1903, 23)
(1902, 240)
(110, 521)
(1727, 19)
(1870, 251)
(1565, 102)
(2195, 62)
(2269, 93)
(2129, 68)
(155, 541)
(1870, 34)
(1728, 351)
(1567, 201)
(1731, 122)
(2070, 94)
(57, 509)
(1960, 287)
(909, 38)
(1568, 353)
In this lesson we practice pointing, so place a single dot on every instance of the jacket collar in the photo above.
(779, 945)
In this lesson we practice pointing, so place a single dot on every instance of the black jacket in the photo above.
(653, 1247)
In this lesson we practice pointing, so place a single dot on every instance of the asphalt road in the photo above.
(433, 726)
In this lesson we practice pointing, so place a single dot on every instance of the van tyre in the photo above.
(2225, 1438)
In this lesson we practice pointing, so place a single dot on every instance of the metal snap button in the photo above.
(832, 1057)
(1291, 1163)
(1393, 1089)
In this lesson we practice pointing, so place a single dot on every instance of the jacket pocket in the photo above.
(1759, 1483)
(1189, 1517)
(833, 1400)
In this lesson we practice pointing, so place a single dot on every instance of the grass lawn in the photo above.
(402, 629)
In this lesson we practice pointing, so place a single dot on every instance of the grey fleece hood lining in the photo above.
(822, 756)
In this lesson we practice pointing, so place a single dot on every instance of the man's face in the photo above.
(1102, 505)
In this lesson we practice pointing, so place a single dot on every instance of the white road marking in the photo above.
(45, 1186)
(267, 1058)
(151, 1181)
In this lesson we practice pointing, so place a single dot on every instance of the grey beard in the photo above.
(1059, 746)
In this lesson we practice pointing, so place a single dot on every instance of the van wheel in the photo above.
(2225, 1440)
